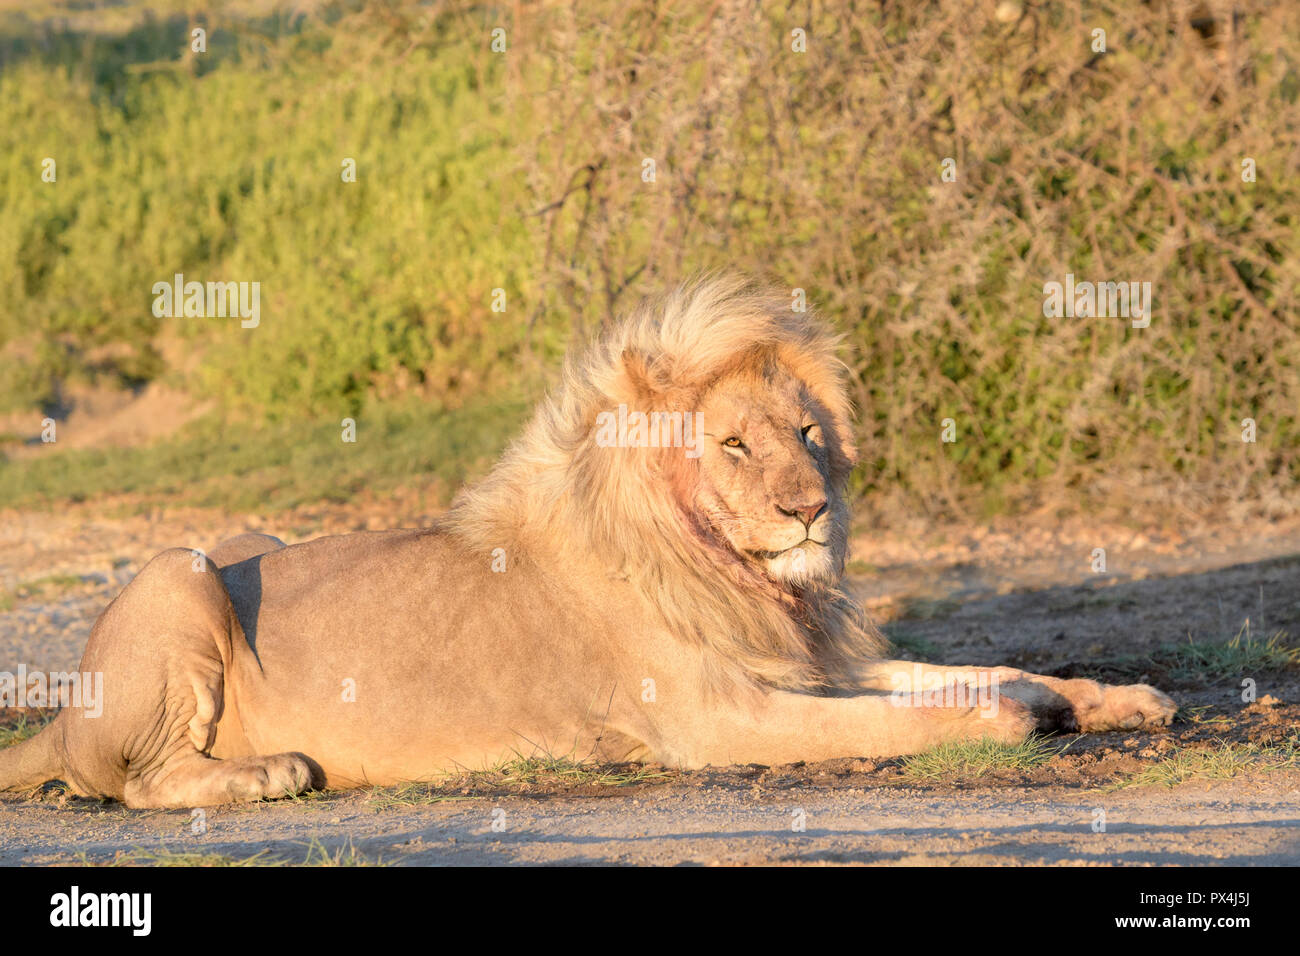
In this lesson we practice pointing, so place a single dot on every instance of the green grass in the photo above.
(970, 760)
(564, 771)
(911, 644)
(23, 728)
(1197, 715)
(1222, 762)
(317, 854)
(51, 585)
(280, 465)
(167, 857)
(1193, 662)
(1243, 655)
(413, 794)
(232, 171)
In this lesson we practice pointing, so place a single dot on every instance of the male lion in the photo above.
(671, 594)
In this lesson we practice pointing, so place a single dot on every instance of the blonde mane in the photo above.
(628, 508)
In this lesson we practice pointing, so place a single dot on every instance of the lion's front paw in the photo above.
(1130, 707)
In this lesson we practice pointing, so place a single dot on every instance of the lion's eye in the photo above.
(807, 433)
(733, 442)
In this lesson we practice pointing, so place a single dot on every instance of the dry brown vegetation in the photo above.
(822, 170)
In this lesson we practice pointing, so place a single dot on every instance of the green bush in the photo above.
(370, 288)
(819, 170)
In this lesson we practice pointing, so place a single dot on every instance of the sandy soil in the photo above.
(1018, 593)
(702, 822)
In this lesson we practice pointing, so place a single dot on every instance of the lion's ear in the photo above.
(642, 381)
(651, 382)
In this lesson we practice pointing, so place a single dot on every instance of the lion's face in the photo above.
(764, 473)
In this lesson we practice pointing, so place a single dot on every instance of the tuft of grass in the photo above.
(317, 854)
(414, 794)
(1222, 762)
(167, 857)
(314, 799)
(23, 728)
(1194, 662)
(1243, 654)
(972, 759)
(1197, 715)
(345, 855)
(562, 770)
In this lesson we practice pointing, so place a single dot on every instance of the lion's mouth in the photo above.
(773, 555)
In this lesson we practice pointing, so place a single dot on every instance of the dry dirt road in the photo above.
(1221, 787)
(702, 823)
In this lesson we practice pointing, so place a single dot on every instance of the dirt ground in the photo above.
(1221, 786)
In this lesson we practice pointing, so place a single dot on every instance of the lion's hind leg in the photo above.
(164, 649)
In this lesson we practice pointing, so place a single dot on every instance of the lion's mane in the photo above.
(555, 488)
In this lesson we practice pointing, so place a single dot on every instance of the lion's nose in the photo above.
(805, 513)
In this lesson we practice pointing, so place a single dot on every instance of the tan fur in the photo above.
(617, 602)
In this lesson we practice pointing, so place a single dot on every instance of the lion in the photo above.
(651, 572)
